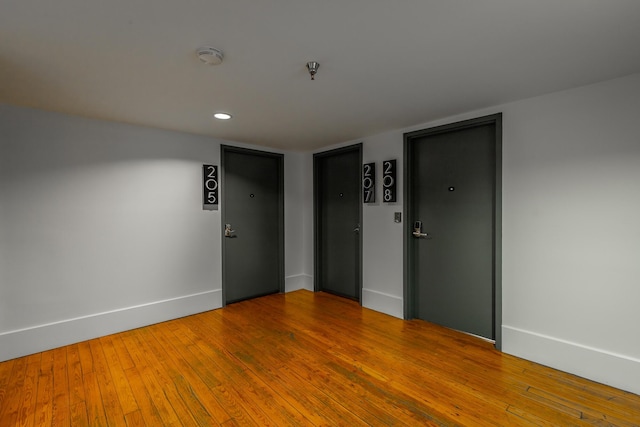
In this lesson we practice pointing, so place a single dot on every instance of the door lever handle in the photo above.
(417, 231)
(228, 232)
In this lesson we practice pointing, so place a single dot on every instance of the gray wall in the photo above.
(571, 234)
(102, 228)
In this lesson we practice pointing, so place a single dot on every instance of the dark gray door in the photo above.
(338, 212)
(252, 213)
(453, 198)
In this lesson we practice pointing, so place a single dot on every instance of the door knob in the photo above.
(228, 232)
(357, 229)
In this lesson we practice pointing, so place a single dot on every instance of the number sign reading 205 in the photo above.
(369, 183)
(210, 184)
(389, 181)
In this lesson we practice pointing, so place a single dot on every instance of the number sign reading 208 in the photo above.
(369, 183)
(210, 184)
(389, 181)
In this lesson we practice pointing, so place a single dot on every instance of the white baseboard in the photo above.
(45, 337)
(298, 281)
(605, 367)
(384, 303)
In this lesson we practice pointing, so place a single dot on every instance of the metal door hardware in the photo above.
(357, 229)
(228, 232)
(417, 230)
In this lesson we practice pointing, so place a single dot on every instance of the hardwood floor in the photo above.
(298, 359)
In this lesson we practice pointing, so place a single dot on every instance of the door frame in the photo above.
(280, 160)
(410, 301)
(316, 216)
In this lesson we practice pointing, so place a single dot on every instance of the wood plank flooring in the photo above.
(298, 359)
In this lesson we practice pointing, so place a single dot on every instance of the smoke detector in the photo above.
(210, 55)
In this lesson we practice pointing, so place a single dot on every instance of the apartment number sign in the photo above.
(210, 184)
(369, 182)
(389, 181)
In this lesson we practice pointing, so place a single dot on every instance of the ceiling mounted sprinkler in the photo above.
(313, 66)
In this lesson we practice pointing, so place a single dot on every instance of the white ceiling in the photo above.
(383, 64)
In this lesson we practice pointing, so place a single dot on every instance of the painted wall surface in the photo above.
(100, 221)
(101, 224)
(103, 229)
(571, 235)
(298, 246)
(306, 211)
(382, 237)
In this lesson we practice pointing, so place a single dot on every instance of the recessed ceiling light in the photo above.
(222, 116)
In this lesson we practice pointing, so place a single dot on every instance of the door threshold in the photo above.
(489, 340)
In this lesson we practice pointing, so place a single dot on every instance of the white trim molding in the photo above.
(382, 302)
(298, 281)
(31, 340)
(599, 365)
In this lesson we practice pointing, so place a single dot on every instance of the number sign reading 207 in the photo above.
(369, 183)
(210, 184)
(389, 181)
